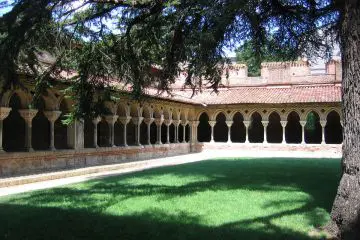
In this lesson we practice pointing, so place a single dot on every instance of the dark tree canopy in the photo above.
(124, 41)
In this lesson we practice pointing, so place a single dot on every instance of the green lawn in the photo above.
(215, 199)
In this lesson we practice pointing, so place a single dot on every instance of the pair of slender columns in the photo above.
(184, 123)
(159, 122)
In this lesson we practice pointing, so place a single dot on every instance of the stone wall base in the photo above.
(25, 163)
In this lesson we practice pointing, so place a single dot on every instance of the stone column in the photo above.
(148, 122)
(96, 121)
(323, 124)
(137, 122)
(158, 122)
(111, 119)
(265, 124)
(28, 115)
(212, 124)
(168, 123)
(4, 112)
(283, 124)
(247, 124)
(52, 116)
(184, 123)
(176, 133)
(124, 121)
(193, 131)
(229, 124)
(302, 123)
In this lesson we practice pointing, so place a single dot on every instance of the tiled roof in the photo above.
(262, 95)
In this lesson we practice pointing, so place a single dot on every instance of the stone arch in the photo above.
(158, 113)
(215, 114)
(40, 128)
(148, 112)
(220, 128)
(274, 128)
(136, 110)
(14, 126)
(256, 129)
(313, 129)
(123, 110)
(24, 98)
(293, 130)
(238, 130)
(333, 128)
(204, 129)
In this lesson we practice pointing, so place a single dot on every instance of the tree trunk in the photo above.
(345, 214)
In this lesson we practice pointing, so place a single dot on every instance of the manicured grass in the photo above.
(214, 199)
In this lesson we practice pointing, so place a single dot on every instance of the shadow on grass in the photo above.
(25, 222)
(29, 216)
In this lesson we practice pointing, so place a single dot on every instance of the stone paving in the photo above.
(48, 180)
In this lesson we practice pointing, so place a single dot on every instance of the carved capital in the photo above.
(149, 121)
(124, 120)
(111, 119)
(176, 122)
(265, 123)
(137, 120)
(168, 122)
(302, 123)
(4, 112)
(52, 116)
(195, 124)
(28, 114)
(96, 120)
(323, 123)
(184, 123)
(247, 123)
(283, 123)
(229, 123)
(212, 123)
(159, 121)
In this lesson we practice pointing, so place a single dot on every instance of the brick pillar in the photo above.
(28, 115)
(4, 112)
(52, 116)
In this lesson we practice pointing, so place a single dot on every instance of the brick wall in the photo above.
(24, 163)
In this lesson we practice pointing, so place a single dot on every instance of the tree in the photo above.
(269, 53)
(109, 41)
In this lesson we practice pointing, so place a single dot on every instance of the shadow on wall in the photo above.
(82, 213)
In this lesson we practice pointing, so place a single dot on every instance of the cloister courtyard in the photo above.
(260, 159)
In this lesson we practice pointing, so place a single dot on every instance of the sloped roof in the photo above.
(261, 95)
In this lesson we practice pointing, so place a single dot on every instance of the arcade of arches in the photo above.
(158, 124)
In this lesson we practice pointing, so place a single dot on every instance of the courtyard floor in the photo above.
(263, 197)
